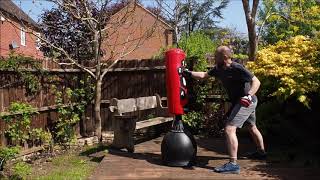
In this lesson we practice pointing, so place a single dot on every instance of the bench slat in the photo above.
(153, 121)
(134, 104)
(146, 102)
(126, 105)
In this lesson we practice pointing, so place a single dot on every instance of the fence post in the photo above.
(3, 141)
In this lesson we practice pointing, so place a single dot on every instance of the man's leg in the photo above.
(232, 142)
(257, 137)
(238, 116)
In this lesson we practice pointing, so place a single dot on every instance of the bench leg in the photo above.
(130, 144)
(123, 135)
(123, 139)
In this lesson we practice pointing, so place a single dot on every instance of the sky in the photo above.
(233, 15)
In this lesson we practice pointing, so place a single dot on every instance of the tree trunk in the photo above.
(251, 25)
(97, 102)
(97, 109)
(252, 41)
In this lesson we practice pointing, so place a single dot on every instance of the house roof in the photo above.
(12, 9)
(151, 13)
(154, 15)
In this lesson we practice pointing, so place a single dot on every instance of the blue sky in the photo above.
(233, 14)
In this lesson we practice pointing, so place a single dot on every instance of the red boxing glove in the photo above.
(246, 101)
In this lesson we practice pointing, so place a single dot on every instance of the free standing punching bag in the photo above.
(178, 147)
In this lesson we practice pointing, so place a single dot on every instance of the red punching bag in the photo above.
(178, 147)
(176, 83)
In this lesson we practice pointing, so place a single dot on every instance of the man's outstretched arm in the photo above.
(197, 75)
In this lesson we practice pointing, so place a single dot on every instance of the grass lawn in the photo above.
(74, 164)
(68, 166)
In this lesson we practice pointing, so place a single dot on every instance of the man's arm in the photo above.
(199, 75)
(255, 84)
(196, 75)
(247, 76)
(247, 100)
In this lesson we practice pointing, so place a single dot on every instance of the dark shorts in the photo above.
(240, 114)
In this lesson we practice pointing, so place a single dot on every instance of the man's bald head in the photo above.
(222, 55)
(225, 51)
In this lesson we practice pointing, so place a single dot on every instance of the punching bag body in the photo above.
(178, 147)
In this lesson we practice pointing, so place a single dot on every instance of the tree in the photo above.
(186, 16)
(197, 15)
(251, 25)
(287, 18)
(77, 38)
(61, 28)
(230, 37)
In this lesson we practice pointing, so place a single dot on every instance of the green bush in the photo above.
(289, 69)
(21, 169)
(19, 122)
(194, 120)
(8, 153)
(197, 47)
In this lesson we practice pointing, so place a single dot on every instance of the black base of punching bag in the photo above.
(178, 147)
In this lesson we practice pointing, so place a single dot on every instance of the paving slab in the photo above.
(145, 163)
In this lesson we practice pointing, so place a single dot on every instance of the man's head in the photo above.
(222, 55)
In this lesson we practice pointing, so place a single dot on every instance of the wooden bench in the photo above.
(127, 117)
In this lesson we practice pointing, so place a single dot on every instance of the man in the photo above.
(241, 86)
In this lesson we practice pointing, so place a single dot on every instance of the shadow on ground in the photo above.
(270, 169)
(202, 161)
(215, 145)
(96, 153)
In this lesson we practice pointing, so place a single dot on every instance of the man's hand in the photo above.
(187, 72)
(246, 101)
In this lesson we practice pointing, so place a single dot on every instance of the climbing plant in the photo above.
(71, 105)
(22, 65)
(18, 120)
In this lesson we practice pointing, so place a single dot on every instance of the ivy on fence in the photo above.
(19, 129)
(69, 116)
(18, 64)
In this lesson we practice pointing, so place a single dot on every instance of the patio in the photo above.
(145, 163)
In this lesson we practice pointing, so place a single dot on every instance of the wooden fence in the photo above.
(127, 79)
(126, 83)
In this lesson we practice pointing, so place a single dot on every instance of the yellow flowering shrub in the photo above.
(289, 68)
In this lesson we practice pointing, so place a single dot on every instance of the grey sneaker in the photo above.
(228, 168)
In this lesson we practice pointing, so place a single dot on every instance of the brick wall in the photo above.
(123, 37)
(129, 28)
(9, 33)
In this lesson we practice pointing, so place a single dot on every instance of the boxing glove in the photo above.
(246, 100)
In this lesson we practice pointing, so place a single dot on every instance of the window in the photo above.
(38, 42)
(23, 36)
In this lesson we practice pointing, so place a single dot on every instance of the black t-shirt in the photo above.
(236, 80)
